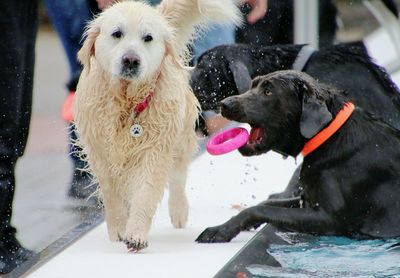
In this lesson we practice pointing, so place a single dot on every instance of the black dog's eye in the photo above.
(267, 93)
(148, 38)
(117, 34)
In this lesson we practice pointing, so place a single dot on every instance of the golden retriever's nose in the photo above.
(130, 63)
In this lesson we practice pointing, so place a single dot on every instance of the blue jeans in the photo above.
(69, 19)
(215, 35)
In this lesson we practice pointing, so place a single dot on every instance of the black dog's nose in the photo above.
(131, 61)
(228, 104)
(231, 108)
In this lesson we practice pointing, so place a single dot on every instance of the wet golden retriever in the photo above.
(135, 112)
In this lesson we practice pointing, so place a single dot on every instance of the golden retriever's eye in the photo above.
(117, 34)
(148, 38)
(267, 93)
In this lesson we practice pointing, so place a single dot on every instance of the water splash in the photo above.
(334, 257)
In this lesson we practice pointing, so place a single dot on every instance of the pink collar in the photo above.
(141, 106)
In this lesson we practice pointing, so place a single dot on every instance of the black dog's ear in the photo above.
(315, 114)
(241, 76)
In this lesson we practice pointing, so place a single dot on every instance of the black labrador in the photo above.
(228, 70)
(349, 185)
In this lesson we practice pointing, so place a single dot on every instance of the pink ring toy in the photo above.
(228, 141)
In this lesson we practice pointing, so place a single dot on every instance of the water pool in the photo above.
(332, 257)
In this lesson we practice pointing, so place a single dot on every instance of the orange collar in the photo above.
(327, 132)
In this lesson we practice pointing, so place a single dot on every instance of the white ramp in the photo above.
(217, 187)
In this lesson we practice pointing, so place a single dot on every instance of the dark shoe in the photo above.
(12, 254)
(82, 186)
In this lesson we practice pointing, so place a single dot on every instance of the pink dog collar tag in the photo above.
(227, 141)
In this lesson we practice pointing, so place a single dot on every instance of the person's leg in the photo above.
(82, 186)
(276, 27)
(213, 36)
(18, 22)
(69, 18)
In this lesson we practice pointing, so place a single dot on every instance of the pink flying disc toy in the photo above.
(227, 141)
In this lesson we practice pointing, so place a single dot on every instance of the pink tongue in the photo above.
(255, 133)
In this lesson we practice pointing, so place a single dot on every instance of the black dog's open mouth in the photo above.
(256, 137)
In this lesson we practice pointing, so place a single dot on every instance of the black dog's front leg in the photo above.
(283, 202)
(293, 202)
(307, 220)
(231, 228)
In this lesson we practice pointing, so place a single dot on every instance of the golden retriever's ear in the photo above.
(170, 50)
(88, 48)
(185, 15)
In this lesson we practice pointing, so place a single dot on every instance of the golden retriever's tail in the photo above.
(185, 16)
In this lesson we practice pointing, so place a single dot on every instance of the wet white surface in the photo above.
(216, 186)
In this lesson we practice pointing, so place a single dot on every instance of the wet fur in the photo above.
(347, 67)
(133, 172)
(349, 186)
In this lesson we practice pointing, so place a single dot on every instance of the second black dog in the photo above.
(228, 70)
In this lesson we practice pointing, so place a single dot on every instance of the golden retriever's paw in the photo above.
(179, 213)
(135, 240)
(135, 246)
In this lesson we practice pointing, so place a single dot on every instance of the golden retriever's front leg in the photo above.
(115, 212)
(147, 193)
(177, 202)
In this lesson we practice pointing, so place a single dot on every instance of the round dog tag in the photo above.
(136, 130)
